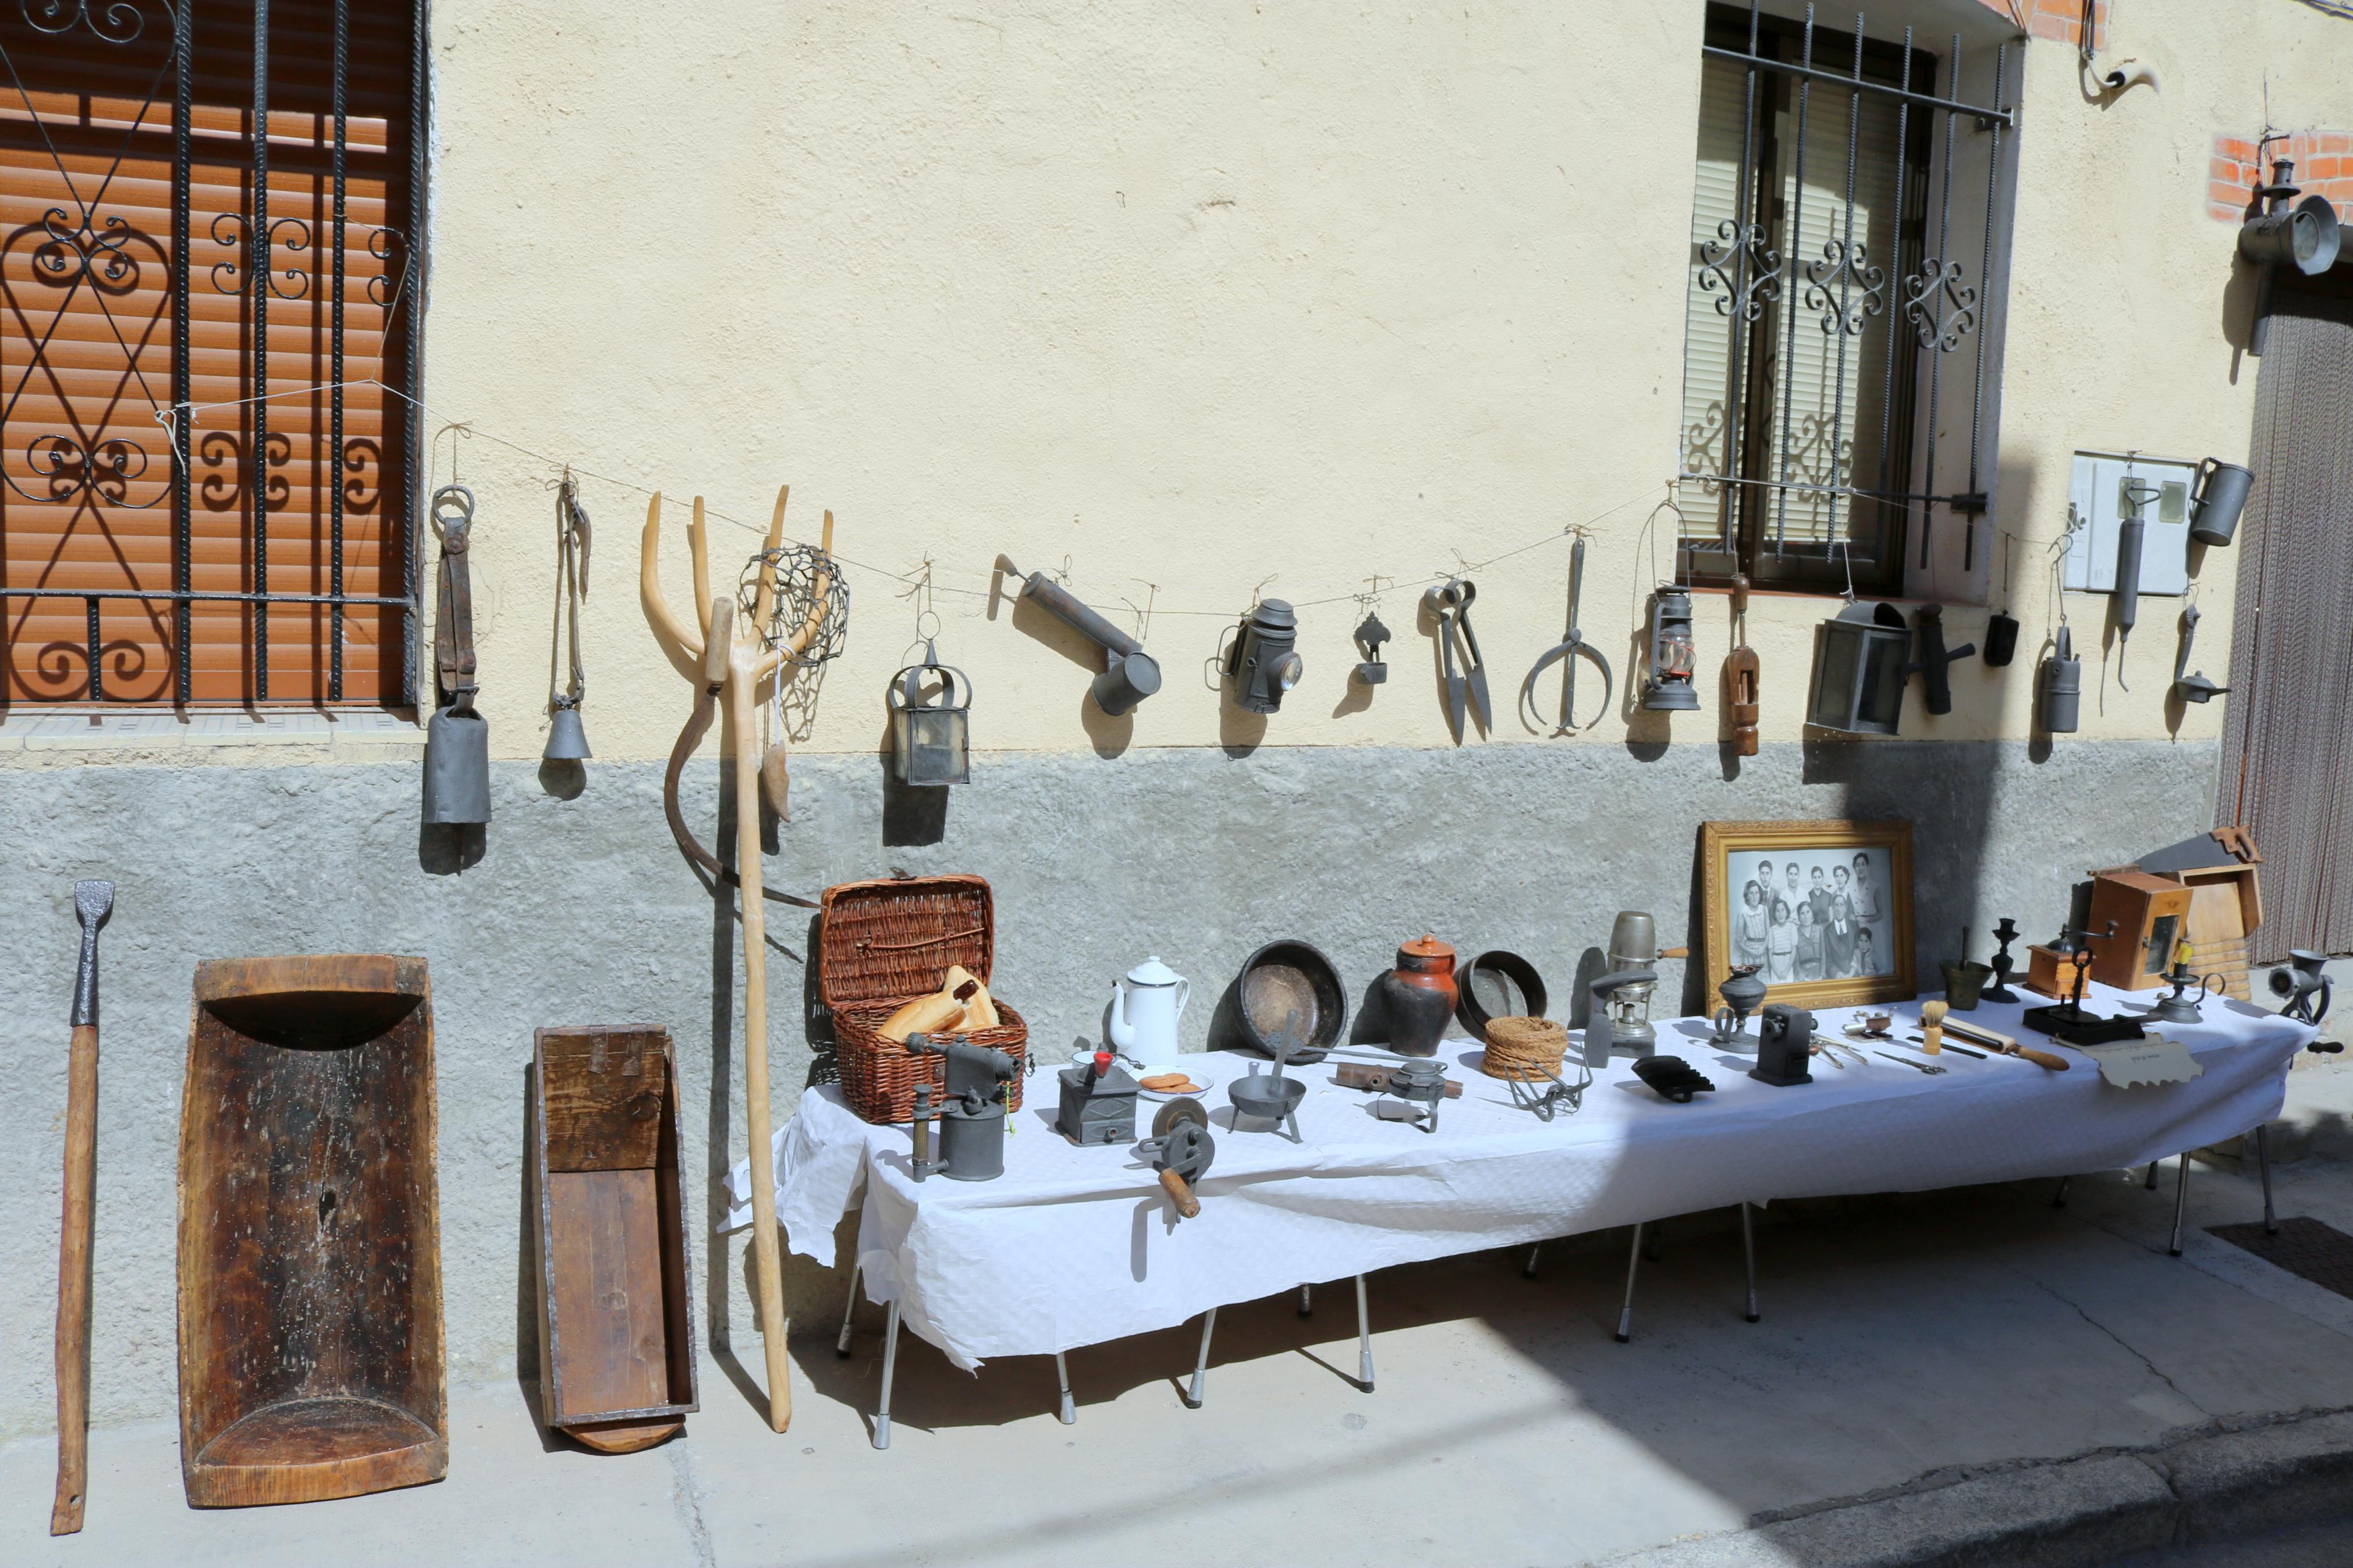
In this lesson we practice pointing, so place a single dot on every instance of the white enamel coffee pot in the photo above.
(1144, 1015)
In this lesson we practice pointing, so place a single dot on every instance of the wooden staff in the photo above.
(733, 668)
(94, 901)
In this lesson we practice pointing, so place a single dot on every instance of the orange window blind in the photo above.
(205, 463)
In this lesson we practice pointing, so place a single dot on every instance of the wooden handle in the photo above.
(73, 1283)
(1186, 1203)
(2042, 1058)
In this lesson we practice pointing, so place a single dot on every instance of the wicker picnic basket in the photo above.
(881, 944)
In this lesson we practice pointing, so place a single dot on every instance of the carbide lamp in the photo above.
(1265, 663)
(931, 740)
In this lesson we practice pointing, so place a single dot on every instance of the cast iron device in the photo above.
(1180, 1149)
(1272, 1097)
(972, 1121)
(1935, 661)
(1785, 1042)
(2188, 686)
(1601, 1034)
(2306, 990)
(1098, 1103)
(1672, 1078)
(2068, 1021)
(1566, 652)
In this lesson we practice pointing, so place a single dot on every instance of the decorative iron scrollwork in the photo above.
(1845, 264)
(74, 251)
(72, 470)
(1737, 250)
(228, 276)
(1921, 304)
(114, 22)
(380, 244)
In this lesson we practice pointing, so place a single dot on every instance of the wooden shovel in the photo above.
(94, 901)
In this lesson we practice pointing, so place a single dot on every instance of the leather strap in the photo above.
(453, 602)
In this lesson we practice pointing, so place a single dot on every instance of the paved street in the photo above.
(1907, 1342)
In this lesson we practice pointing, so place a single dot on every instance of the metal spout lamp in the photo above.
(1668, 687)
(1264, 661)
(2286, 233)
(930, 742)
(1862, 657)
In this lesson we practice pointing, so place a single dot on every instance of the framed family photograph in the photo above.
(1821, 911)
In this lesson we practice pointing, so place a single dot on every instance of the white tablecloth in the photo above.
(1075, 1246)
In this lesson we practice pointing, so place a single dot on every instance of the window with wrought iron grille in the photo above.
(1837, 368)
(208, 348)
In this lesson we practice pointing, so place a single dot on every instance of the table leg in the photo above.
(848, 1310)
(1364, 1337)
(1626, 1313)
(2059, 1198)
(890, 1370)
(1201, 1367)
(2264, 1164)
(1748, 1250)
(1068, 1414)
(1307, 1300)
(2180, 1202)
(1658, 1248)
(2150, 1185)
(1528, 1270)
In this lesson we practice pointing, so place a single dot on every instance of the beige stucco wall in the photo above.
(1226, 299)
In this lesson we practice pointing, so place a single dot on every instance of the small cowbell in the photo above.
(566, 741)
(456, 765)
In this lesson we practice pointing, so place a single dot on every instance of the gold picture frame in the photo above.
(1867, 864)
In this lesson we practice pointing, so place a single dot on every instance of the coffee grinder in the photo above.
(1098, 1103)
(972, 1121)
(1785, 1046)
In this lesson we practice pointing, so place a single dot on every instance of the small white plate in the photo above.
(1202, 1081)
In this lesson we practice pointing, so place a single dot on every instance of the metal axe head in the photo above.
(94, 901)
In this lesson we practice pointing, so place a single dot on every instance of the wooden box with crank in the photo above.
(884, 945)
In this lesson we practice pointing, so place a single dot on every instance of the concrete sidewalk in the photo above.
(1944, 1354)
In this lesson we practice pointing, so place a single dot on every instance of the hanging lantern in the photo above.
(1265, 663)
(1861, 661)
(930, 742)
(1672, 656)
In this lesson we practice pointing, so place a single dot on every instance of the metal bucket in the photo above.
(2215, 505)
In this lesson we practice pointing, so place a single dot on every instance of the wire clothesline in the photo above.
(925, 572)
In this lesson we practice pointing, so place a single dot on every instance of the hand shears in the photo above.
(1567, 650)
(1451, 604)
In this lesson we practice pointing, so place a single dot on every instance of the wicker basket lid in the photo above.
(894, 937)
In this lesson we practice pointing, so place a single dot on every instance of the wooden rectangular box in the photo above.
(616, 1311)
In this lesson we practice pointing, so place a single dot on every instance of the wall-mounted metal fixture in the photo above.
(2193, 688)
(1372, 671)
(930, 742)
(1264, 662)
(2061, 685)
(1130, 675)
(2216, 501)
(1668, 686)
(1936, 659)
(2286, 233)
(1861, 662)
(2131, 528)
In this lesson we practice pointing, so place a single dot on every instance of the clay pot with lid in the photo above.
(1418, 995)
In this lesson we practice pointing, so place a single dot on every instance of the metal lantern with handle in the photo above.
(931, 740)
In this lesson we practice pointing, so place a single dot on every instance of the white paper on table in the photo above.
(2153, 1058)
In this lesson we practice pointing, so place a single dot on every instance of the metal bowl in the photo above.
(1498, 985)
(1287, 979)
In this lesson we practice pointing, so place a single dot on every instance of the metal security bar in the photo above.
(134, 58)
(1795, 270)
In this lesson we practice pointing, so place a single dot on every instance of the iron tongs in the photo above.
(1451, 602)
(1568, 650)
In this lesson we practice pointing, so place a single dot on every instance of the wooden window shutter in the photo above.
(96, 500)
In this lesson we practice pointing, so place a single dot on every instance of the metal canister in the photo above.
(2063, 685)
(1633, 945)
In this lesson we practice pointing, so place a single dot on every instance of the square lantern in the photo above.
(930, 742)
(1861, 659)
